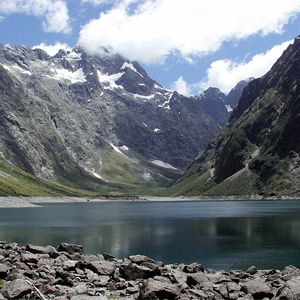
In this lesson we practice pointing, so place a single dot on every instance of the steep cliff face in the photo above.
(258, 150)
(100, 115)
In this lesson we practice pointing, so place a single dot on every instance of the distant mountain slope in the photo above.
(218, 105)
(75, 115)
(258, 151)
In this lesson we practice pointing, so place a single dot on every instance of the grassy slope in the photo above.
(123, 176)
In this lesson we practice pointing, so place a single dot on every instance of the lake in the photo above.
(221, 235)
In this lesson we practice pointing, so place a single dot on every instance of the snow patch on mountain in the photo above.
(142, 96)
(16, 69)
(129, 65)
(229, 109)
(162, 164)
(74, 77)
(166, 104)
(74, 56)
(110, 80)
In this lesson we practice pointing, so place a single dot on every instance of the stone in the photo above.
(252, 270)
(193, 268)
(134, 271)
(30, 258)
(3, 271)
(81, 288)
(290, 290)
(70, 248)
(102, 267)
(69, 264)
(257, 288)
(138, 259)
(153, 289)
(16, 289)
(196, 278)
(36, 249)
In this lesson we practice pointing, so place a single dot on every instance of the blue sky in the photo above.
(185, 45)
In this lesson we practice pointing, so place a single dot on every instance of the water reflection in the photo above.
(231, 235)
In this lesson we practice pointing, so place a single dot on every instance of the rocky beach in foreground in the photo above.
(65, 272)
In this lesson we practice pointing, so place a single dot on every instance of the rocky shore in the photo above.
(65, 272)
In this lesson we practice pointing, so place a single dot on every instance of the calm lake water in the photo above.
(218, 234)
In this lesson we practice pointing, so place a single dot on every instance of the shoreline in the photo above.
(66, 273)
(36, 201)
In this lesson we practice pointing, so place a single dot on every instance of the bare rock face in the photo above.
(69, 113)
(258, 150)
(218, 105)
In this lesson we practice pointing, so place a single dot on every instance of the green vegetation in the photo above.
(123, 176)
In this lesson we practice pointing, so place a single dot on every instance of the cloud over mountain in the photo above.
(150, 31)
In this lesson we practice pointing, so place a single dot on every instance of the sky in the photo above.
(185, 45)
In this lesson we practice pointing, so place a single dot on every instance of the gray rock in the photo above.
(70, 248)
(134, 271)
(36, 249)
(16, 289)
(102, 267)
(252, 270)
(290, 290)
(30, 258)
(3, 271)
(196, 278)
(138, 259)
(193, 268)
(153, 289)
(257, 288)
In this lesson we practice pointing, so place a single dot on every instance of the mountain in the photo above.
(258, 149)
(93, 121)
(218, 105)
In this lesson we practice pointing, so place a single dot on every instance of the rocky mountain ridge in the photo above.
(218, 105)
(94, 116)
(258, 150)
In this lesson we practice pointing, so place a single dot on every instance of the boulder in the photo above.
(257, 288)
(196, 278)
(70, 248)
(193, 268)
(29, 258)
(290, 290)
(36, 249)
(134, 271)
(102, 267)
(3, 271)
(16, 289)
(289, 272)
(138, 259)
(153, 289)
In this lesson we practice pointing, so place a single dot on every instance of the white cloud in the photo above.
(181, 86)
(96, 2)
(54, 12)
(53, 49)
(225, 74)
(150, 30)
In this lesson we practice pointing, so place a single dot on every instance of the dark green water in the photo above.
(219, 235)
